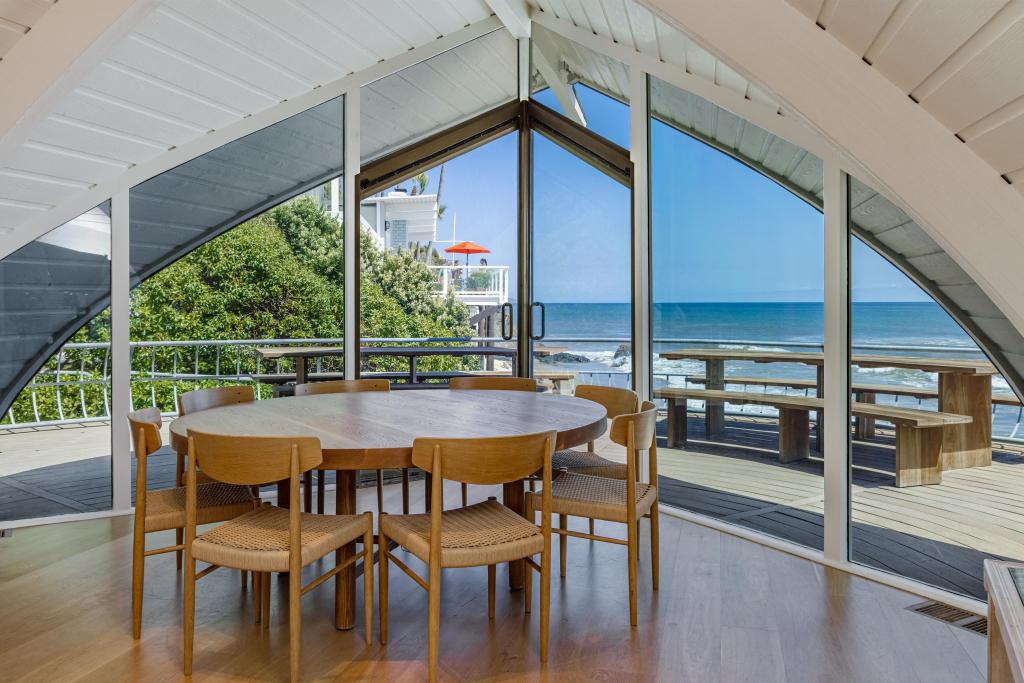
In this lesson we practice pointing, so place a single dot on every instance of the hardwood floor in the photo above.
(728, 610)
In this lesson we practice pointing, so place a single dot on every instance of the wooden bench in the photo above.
(918, 432)
(864, 427)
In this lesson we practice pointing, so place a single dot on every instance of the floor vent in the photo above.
(952, 615)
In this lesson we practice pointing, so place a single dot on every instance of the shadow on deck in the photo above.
(936, 534)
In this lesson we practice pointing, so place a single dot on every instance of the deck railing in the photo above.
(76, 386)
(473, 285)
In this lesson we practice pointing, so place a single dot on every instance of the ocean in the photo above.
(596, 336)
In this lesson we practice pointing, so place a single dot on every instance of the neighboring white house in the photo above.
(398, 219)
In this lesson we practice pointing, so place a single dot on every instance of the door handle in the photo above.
(543, 321)
(509, 331)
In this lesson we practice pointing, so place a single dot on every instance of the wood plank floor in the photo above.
(728, 610)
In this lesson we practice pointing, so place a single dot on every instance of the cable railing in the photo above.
(75, 386)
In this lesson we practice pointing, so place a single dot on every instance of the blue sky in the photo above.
(721, 232)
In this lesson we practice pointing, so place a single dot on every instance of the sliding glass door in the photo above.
(582, 301)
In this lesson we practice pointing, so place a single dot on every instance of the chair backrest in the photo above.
(496, 460)
(342, 386)
(145, 428)
(251, 460)
(204, 399)
(643, 424)
(497, 383)
(615, 400)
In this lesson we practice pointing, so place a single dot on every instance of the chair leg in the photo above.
(321, 480)
(545, 597)
(138, 576)
(368, 578)
(257, 595)
(179, 538)
(632, 549)
(527, 569)
(465, 495)
(380, 491)
(491, 579)
(265, 599)
(245, 578)
(433, 620)
(405, 490)
(294, 621)
(189, 618)
(382, 588)
(563, 542)
(591, 526)
(654, 546)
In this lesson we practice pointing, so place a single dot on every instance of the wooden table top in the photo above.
(375, 430)
(273, 352)
(973, 367)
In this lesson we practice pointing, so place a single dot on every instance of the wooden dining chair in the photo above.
(269, 538)
(205, 399)
(614, 500)
(344, 386)
(490, 383)
(483, 534)
(164, 509)
(616, 401)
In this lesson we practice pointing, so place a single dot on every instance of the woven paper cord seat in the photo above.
(217, 501)
(485, 533)
(584, 462)
(258, 540)
(597, 497)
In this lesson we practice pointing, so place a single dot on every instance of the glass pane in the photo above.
(927, 503)
(438, 261)
(582, 271)
(235, 253)
(55, 379)
(437, 93)
(586, 86)
(737, 278)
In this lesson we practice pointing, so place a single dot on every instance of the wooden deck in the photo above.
(937, 534)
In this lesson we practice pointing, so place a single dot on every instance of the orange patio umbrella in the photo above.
(467, 248)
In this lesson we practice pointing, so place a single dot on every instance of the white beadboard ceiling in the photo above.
(961, 60)
(191, 67)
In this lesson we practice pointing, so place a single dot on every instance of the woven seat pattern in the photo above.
(258, 540)
(485, 533)
(587, 462)
(215, 502)
(595, 497)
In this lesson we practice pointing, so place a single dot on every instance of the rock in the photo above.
(565, 357)
(623, 351)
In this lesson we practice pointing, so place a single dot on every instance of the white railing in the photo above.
(75, 388)
(473, 285)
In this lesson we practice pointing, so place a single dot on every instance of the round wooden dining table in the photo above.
(375, 430)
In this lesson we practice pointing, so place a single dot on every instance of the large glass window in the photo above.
(235, 256)
(55, 441)
(737, 280)
(929, 502)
